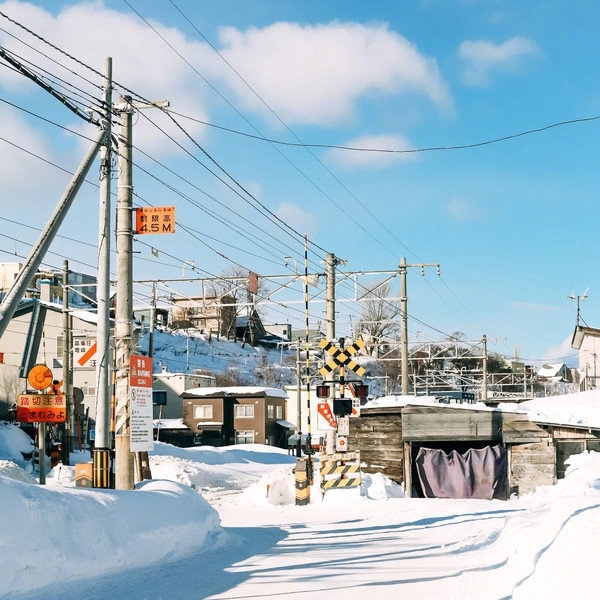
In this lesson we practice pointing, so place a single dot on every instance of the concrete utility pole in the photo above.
(103, 442)
(67, 370)
(403, 266)
(484, 389)
(330, 264)
(123, 323)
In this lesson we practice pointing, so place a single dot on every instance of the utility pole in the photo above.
(124, 479)
(67, 370)
(102, 441)
(299, 400)
(403, 266)
(484, 390)
(330, 264)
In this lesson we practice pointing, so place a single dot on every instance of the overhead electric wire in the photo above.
(455, 147)
(273, 112)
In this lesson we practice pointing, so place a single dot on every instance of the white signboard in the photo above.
(141, 438)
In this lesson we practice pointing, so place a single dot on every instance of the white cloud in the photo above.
(141, 60)
(19, 145)
(482, 58)
(462, 210)
(533, 306)
(559, 353)
(356, 158)
(316, 74)
(297, 218)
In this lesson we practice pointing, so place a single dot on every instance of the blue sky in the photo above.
(511, 222)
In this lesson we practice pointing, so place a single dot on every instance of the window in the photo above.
(244, 410)
(203, 411)
(244, 437)
(159, 397)
(280, 412)
(270, 411)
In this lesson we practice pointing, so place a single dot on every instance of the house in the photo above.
(144, 315)
(428, 449)
(555, 372)
(222, 416)
(36, 335)
(587, 341)
(81, 291)
(283, 331)
(167, 389)
(216, 314)
(249, 329)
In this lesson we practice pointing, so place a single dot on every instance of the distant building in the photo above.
(280, 330)
(587, 341)
(214, 314)
(555, 372)
(222, 416)
(81, 293)
(167, 389)
(35, 335)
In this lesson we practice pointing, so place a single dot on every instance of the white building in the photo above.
(168, 387)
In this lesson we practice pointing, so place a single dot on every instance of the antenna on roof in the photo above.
(578, 298)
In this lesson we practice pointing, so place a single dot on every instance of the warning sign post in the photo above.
(140, 403)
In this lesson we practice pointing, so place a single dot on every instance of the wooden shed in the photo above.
(422, 447)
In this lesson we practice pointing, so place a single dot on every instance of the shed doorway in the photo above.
(460, 471)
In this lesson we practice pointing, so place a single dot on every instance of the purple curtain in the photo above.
(478, 473)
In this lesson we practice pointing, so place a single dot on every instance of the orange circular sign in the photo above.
(39, 377)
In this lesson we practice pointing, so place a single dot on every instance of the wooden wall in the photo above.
(532, 465)
(377, 435)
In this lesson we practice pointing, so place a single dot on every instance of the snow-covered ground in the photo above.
(222, 523)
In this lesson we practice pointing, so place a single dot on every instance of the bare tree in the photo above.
(235, 283)
(378, 317)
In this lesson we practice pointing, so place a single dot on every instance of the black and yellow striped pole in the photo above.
(304, 466)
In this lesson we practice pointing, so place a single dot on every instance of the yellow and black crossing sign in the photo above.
(341, 357)
(340, 471)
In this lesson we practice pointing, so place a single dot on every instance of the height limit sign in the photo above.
(155, 219)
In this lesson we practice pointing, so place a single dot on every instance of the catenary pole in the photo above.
(403, 266)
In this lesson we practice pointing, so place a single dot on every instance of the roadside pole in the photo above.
(123, 325)
(102, 441)
(68, 444)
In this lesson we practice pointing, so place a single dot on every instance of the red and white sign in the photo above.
(86, 349)
(341, 443)
(325, 414)
(140, 404)
(41, 408)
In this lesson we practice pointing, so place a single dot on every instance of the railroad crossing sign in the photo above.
(42, 408)
(341, 357)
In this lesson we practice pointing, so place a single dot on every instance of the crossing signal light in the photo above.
(322, 391)
(362, 391)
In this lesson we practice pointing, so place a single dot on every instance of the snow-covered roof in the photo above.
(239, 391)
(581, 409)
(551, 370)
(169, 424)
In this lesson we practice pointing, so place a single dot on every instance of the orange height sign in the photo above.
(155, 219)
(42, 408)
